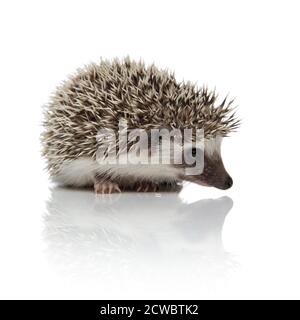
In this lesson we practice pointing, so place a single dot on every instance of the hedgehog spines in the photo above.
(99, 95)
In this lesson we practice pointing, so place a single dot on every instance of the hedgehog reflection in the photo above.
(136, 237)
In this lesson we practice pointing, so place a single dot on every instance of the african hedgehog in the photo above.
(100, 96)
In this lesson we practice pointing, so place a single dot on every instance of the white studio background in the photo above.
(62, 243)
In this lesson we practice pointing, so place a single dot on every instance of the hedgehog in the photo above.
(90, 112)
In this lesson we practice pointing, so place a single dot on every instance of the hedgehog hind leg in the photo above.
(105, 184)
(106, 187)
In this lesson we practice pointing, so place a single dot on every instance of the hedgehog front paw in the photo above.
(106, 187)
(147, 187)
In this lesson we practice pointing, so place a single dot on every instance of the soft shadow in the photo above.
(136, 239)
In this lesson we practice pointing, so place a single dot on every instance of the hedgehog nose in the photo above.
(228, 183)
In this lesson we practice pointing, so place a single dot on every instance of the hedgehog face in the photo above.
(213, 174)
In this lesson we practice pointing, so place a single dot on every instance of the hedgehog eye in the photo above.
(196, 152)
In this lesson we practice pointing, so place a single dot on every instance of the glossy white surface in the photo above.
(199, 243)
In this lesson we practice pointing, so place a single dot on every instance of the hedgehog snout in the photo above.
(214, 174)
(222, 182)
(228, 182)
